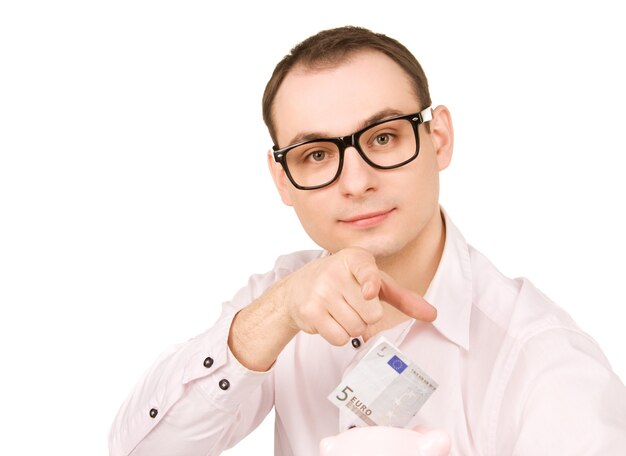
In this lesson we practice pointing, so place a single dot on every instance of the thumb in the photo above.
(405, 300)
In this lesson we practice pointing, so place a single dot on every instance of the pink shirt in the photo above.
(515, 374)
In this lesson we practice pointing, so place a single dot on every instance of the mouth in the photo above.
(367, 220)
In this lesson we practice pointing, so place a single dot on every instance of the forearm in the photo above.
(198, 425)
(185, 385)
(260, 331)
(191, 393)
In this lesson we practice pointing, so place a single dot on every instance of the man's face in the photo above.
(383, 211)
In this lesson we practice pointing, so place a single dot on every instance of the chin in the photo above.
(379, 248)
(381, 252)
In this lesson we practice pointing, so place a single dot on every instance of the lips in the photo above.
(368, 219)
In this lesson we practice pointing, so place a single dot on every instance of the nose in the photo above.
(357, 177)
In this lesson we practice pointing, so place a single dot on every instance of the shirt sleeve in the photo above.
(197, 399)
(562, 398)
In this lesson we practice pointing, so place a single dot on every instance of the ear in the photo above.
(280, 178)
(442, 135)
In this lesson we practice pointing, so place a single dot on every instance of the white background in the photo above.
(134, 196)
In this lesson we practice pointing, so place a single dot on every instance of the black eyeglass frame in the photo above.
(343, 142)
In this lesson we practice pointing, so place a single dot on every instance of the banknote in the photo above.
(385, 388)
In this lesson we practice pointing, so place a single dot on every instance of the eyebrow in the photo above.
(377, 117)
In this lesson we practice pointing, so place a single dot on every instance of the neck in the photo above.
(414, 266)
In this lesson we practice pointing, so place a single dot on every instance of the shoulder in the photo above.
(547, 377)
(520, 326)
(514, 305)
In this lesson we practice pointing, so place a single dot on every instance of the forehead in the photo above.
(335, 101)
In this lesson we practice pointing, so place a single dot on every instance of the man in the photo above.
(358, 150)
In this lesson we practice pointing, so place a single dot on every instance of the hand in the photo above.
(339, 296)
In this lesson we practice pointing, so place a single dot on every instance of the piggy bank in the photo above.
(386, 441)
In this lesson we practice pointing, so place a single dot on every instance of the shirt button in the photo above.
(224, 384)
(356, 343)
(208, 362)
(153, 413)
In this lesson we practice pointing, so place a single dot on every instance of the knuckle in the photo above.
(356, 255)
(341, 339)
(357, 328)
(365, 270)
(335, 336)
(374, 312)
(308, 315)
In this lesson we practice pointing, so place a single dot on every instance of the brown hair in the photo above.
(331, 47)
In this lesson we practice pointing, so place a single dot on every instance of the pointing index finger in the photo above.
(406, 301)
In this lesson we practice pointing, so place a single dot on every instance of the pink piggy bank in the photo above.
(386, 441)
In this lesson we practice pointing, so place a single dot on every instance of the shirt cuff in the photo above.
(217, 373)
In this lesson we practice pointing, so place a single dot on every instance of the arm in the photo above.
(192, 414)
(562, 398)
(336, 297)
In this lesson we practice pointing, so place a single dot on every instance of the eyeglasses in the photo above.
(387, 144)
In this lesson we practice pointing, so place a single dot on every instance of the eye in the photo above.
(318, 155)
(382, 139)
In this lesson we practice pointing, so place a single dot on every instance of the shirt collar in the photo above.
(450, 291)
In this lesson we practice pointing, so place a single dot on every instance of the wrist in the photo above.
(260, 331)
